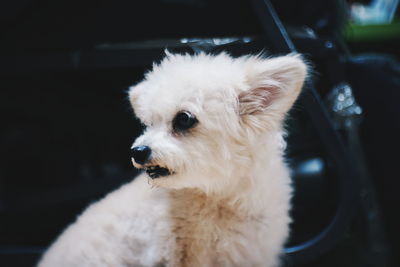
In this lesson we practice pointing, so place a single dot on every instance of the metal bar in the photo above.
(279, 41)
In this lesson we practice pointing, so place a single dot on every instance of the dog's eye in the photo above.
(184, 120)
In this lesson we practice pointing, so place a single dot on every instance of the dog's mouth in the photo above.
(157, 171)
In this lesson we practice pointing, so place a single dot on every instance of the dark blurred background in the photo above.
(66, 124)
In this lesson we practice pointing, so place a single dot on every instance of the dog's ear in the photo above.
(274, 85)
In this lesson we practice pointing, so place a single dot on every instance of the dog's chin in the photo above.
(157, 171)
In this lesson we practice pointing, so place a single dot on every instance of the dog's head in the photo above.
(206, 115)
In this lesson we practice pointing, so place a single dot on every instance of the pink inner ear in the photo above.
(257, 100)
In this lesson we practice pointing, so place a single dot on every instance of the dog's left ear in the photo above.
(274, 84)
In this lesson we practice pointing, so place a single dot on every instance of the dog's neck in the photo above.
(224, 213)
(251, 187)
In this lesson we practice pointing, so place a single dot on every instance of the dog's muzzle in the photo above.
(141, 155)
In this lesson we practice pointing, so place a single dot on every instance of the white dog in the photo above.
(216, 190)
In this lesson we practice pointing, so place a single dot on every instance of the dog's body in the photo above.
(220, 193)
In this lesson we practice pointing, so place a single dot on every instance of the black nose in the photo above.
(141, 154)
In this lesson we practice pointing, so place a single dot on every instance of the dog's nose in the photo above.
(141, 154)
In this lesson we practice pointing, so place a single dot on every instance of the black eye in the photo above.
(184, 120)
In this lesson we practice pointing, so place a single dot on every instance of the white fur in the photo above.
(234, 155)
